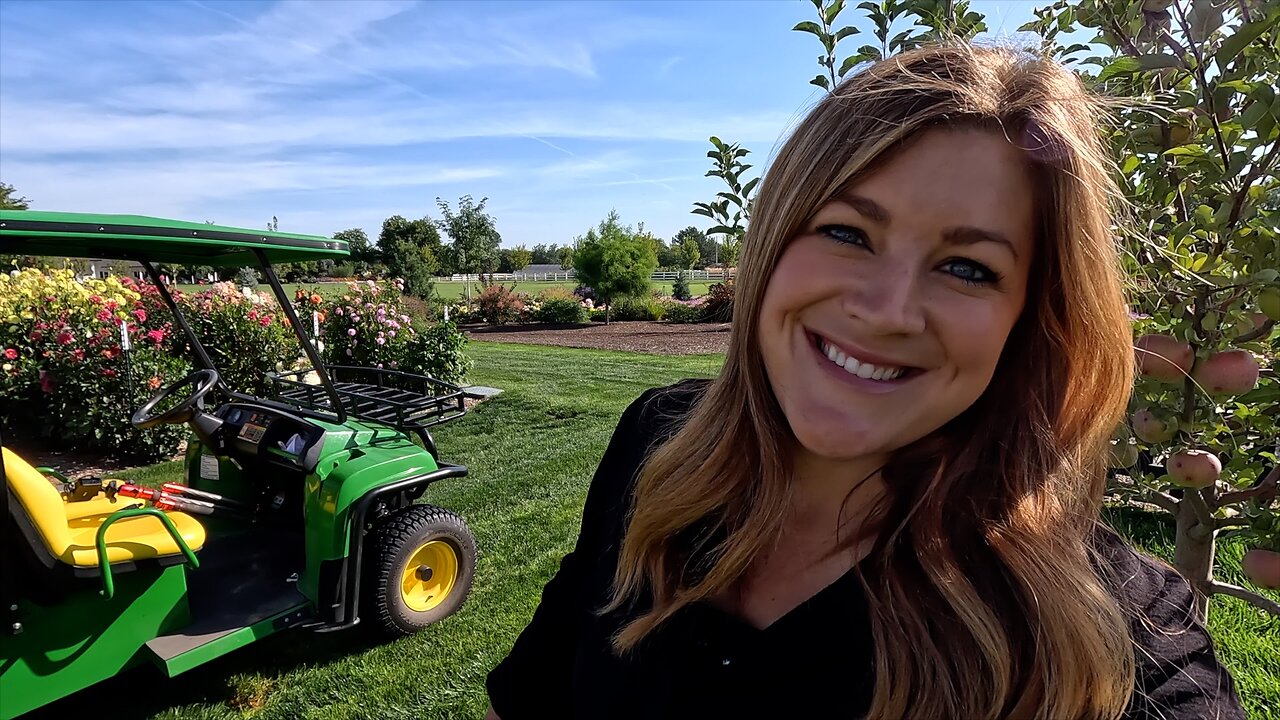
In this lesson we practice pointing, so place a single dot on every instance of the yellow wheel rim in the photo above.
(429, 576)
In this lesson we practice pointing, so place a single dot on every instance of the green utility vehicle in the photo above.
(298, 510)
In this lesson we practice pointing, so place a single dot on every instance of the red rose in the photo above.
(103, 315)
(64, 337)
(10, 354)
(141, 315)
(108, 372)
(78, 355)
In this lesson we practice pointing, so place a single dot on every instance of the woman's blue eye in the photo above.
(844, 234)
(971, 272)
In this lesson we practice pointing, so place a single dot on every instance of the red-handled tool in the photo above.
(165, 501)
(187, 491)
(195, 507)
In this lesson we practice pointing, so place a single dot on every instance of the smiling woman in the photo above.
(887, 503)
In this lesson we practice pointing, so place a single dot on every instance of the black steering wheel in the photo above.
(204, 380)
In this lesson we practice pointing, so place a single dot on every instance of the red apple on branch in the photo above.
(1164, 358)
(1231, 372)
(1194, 468)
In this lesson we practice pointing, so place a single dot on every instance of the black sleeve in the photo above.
(1178, 673)
(534, 680)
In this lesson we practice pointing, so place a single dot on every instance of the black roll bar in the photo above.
(339, 412)
(182, 320)
(307, 347)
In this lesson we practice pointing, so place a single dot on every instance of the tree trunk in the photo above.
(606, 312)
(1193, 555)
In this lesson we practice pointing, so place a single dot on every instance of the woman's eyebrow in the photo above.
(868, 207)
(967, 235)
(963, 235)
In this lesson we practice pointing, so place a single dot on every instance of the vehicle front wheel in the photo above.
(421, 562)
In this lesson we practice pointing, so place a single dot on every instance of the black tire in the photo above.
(394, 544)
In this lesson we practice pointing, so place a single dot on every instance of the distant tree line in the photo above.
(462, 240)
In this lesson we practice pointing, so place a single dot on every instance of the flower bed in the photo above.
(369, 326)
(67, 372)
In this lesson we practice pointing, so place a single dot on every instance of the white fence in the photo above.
(709, 275)
(696, 275)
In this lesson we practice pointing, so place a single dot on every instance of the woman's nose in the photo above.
(887, 300)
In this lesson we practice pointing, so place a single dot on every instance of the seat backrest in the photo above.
(42, 503)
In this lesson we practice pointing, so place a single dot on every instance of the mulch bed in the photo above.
(645, 337)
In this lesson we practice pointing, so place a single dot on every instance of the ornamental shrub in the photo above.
(499, 304)
(641, 308)
(560, 307)
(370, 327)
(680, 288)
(245, 335)
(64, 370)
(719, 303)
(684, 312)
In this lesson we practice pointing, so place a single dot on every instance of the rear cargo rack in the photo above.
(403, 400)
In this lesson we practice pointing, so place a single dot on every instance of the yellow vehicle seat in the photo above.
(69, 530)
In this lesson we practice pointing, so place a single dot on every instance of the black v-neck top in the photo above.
(814, 662)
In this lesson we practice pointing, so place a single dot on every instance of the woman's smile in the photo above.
(859, 369)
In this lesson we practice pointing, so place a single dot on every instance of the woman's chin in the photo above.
(845, 442)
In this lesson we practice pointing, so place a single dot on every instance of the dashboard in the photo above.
(268, 435)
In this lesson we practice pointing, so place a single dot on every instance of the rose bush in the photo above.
(561, 307)
(66, 372)
(369, 327)
(245, 334)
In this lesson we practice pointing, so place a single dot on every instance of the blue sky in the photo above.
(331, 115)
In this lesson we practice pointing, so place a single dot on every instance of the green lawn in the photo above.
(531, 451)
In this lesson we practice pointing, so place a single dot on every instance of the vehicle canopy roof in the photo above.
(135, 237)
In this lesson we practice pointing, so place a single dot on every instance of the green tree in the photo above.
(687, 253)
(732, 211)
(707, 250)
(516, 259)
(474, 235)
(407, 247)
(10, 200)
(358, 244)
(544, 254)
(615, 261)
(564, 256)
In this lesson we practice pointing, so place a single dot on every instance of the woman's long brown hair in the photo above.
(986, 598)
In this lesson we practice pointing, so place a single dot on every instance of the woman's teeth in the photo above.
(853, 366)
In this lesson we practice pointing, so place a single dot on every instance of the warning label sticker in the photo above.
(208, 467)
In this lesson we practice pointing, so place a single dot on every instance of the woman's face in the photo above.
(886, 315)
